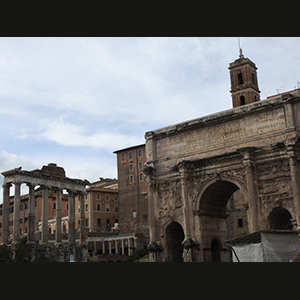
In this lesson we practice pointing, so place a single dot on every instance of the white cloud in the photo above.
(69, 134)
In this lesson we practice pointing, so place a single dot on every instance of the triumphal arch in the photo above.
(194, 167)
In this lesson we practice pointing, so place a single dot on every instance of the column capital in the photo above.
(45, 187)
(7, 185)
(71, 192)
(17, 183)
(30, 185)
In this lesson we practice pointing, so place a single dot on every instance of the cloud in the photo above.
(74, 135)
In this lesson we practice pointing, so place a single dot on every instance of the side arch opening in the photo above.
(174, 239)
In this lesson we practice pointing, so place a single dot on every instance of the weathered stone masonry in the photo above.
(194, 167)
(48, 178)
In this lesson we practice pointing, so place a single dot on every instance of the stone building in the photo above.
(49, 179)
(193, 169)
(133, 188)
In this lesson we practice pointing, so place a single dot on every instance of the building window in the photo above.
(141, 165)
(21, 206)
(54, 205)
(86, 207)
(141, 177)
(107, 223)
(140, 153)
(130, 155)
(107, 208)
(86, 222)
(99, 222)
(26, 205)
(130, 167)
(131, 179)
(123, 156)
(98, 196)
(134, 213)
(98, 207)
(240, 222)
(116, 209)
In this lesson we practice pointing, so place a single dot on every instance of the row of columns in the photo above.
(115, 241)
(31, 214)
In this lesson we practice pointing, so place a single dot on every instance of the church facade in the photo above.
(193, 168)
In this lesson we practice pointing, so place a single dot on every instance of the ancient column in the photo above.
(294, 170)
(31, 214)
(128, 243)
(58, 236)
(116, 247)
(82, 219)
(71, 211)
(5, 213)
(184, 191)
(45, 214)
(109, 247)
(251, 194)
(122, 246)
(103, 247)
(16, 216)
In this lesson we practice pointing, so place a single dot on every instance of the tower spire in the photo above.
(240, 49)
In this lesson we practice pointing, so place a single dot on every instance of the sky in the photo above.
(73, 101)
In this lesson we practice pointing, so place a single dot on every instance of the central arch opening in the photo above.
(174, 238)
(223, 215)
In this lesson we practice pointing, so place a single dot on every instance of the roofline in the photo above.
(132, 147)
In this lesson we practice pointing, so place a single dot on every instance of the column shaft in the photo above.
(5, 213)
(71, 212)
(122, 245)
(128, 243)
(295, 183)
(16, 216)
(184, 192)
(103, 247)
(58, 236)
(82, 219)
(116, 247)
(31, 215)
(251, 196)
(109, 247)
(45, 215)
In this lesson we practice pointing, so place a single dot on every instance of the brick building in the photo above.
(101, 206)
(133, 205)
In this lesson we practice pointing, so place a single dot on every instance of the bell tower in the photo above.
(244, 84)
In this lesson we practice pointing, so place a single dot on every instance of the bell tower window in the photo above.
(240, 78)
(242, 100)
